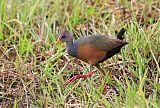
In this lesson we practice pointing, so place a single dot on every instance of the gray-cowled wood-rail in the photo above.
(93, 49)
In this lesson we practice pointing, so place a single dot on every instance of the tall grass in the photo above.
(33, 68)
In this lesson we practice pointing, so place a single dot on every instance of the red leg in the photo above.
(78, 77)
(101, 70)
(104, 89)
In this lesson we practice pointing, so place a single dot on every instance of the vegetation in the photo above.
(33, 68)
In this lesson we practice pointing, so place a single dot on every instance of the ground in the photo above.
(33, 68)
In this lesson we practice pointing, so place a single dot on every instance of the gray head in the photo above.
(65, 36)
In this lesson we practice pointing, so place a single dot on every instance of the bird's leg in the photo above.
(109, 73)
(78, 77)
(101, 70)
(104, 90)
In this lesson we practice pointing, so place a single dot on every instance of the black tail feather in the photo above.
(120, 34)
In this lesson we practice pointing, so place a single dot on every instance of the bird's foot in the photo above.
(70, 81)
(104, 89)
(77, 77)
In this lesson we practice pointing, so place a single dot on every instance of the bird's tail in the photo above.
(120, 34)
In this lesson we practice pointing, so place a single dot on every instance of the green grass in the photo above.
(33, 68)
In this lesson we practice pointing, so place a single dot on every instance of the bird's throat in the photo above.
(71, 48)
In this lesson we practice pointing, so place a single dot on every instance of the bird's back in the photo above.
(97, 48)
(102, 42)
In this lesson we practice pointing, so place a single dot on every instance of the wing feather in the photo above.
(105, 43)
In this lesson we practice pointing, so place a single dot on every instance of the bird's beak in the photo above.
(59, 41)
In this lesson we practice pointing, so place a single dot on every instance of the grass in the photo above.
(33, 69)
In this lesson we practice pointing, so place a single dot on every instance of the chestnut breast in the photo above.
(90, 54)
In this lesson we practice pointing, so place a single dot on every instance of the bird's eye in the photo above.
(63, 37)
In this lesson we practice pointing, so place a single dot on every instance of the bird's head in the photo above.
(64, 36)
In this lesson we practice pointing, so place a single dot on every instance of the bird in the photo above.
(92, 49)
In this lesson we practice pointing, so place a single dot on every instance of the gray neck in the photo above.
(71, 48)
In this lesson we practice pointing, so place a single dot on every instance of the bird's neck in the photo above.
(71, 48)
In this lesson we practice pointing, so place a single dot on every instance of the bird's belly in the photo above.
(90, 54)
